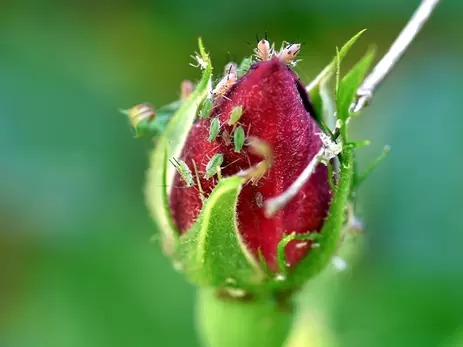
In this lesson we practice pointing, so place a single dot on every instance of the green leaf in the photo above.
(350, 83)
(365, 174)
(212, 251)
(329, 237)
(313, 88)
(170, 144)
(328, 107)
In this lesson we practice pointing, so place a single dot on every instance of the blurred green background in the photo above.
(76, 265)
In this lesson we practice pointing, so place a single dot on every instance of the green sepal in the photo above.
(170, 144)
(212, 252)
(313, 89)
(360, 178)
(346, 89)
(329, 237)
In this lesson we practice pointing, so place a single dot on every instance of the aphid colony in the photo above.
(264, 51)
(237, 130)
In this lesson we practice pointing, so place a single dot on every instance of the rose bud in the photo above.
(268, 103)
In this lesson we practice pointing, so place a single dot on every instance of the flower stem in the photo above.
(223, 321)
(398, 48)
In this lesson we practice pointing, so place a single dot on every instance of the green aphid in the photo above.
(235, 115)
(206, 108)
(244, 67)
(183, 170)
(238, 138)
(213, 167)
(214, 129)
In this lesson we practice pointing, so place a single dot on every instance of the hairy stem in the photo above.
(398, 48)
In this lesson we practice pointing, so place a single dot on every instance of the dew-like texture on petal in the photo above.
(276, 110)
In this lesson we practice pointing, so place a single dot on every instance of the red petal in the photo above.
(276, 110)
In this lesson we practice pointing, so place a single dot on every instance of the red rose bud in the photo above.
(268, 103)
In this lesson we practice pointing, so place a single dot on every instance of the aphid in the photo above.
(213, 166)
(259, 200)
(238, 138)
(263, 51)
(186, 88)
(225, 83)
(244, 67)
(200, 61)
(226, 137)
(214, 129)
(290, 52)
(230, 68)
(139, 113)
(206, 108)
(235, 115)
(183, 170)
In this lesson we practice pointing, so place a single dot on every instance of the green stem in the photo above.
(223, 321)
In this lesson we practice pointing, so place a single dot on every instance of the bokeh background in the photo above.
(76, 265)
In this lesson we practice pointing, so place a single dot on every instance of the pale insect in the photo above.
(231, 67)
(226, 82)
(259, 199)
(183, 170)
(287, 54)
(238, 138)
(213, 166)
(214, 129)
(264, 51)
(226, 137)
(200, 61)
(235, 114)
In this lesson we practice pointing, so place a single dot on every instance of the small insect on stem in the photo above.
(226, 82)
(206, 108)
(214, 129)
(213, 166)
(238, 138)
(200, 62)
(183, 170)
(235, 115)
(287, 54)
